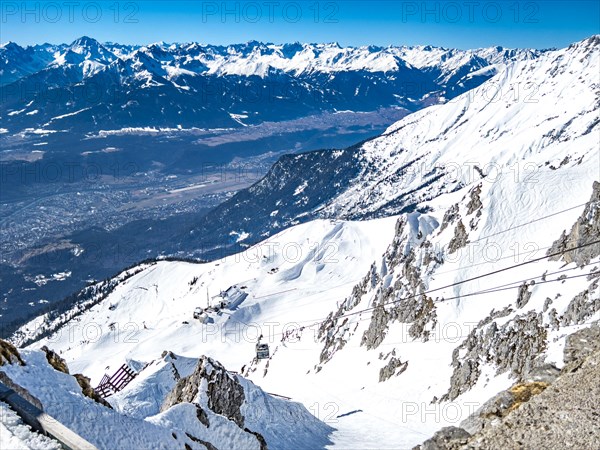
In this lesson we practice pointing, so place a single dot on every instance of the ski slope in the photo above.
(389, 329)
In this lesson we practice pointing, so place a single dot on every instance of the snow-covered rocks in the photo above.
(210, 406)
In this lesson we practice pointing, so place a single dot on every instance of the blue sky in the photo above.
(461, 24)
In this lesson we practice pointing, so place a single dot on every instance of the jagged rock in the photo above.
(445, 439)
(460, 238)
(585, 230)
(202, 416)
(579, 346)
(402, 301)
(515, 347)
(394, 367)
(545, 373)
(88, 390)
(55, 360)
(564, 415)
(489, 412)
(206, 444)
(9, 354)
(523, 296)
(475, 201)
(464, 376)
(60, 364)
(378, 326)
(333, 333)
(259, 437)
(224, 393)
(583, 306)
(425, 313)
(450, 217)
(501, 404)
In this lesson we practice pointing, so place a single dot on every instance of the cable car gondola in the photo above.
(262, 351)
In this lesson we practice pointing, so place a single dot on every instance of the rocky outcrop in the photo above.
(333, 331)
(84, 382)
(564, 415)
(396, 291)
(460, 239)
(585, 231)
(212, 386)
(9, 354)
(561, 412)
(87, 389)
(583, 306)
(580, 345)
(500, 405)
(450, 216)
(224, 394)
(515, 347)
(394, 367)
(475, 204)
(523, 296)
(206, 444)
(446, 438)
(55, 360)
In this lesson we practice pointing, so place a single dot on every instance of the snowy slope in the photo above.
(538, 112)
(533, 116)
(192, 422)
(389, 329)
(15, 435)
(305, 265)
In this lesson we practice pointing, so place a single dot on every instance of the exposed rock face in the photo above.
(448, 437)
(523, 296)
(475, 201)
(212, 386)
(55, 361)
(9, 354)
(206, 444)
(394, 367)
(259, 437)
(460, 239)
(224, 393)
(580, 345)
(450, 216)
(545, 373)
(333, 331)
(514, 347)
(583, 306)
(378, 325)
(395, 291)
(88, 390)
(585, 230)
(559, 413)
(489, 413)
(202, 416)
(565, 415)
(60, 364)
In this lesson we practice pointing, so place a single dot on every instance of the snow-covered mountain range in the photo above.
(517, 125)
(91, 86)
(438, 264)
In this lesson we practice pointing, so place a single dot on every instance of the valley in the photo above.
(416, 267)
